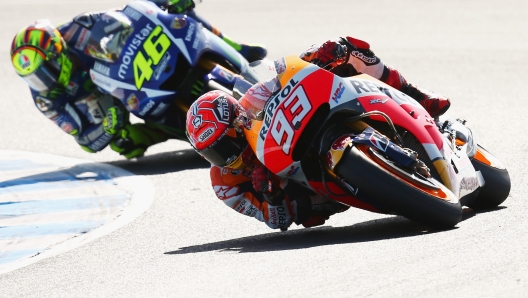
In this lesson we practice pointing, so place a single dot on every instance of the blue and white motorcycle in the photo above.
(158, 63)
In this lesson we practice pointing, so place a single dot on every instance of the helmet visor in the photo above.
(225, 151)
(50, 73)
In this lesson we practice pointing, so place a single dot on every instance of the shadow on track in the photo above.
(374, 230)
(155, 164)
(163, 163)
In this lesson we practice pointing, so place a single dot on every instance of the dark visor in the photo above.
(224, 151)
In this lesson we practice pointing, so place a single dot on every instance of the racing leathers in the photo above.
(83, 110)
(278, 208)
(350, 56)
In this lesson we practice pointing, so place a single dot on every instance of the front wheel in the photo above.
(395, 190)
(497, 181)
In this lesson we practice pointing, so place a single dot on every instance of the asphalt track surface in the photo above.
(188, 244)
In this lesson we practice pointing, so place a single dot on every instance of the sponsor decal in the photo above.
(132, 13)
(293, 170)
(178, 23)
(341, 143)
(206, 134)
(82, 40)
(101, 142)
(375, 101)
(469, 183)
(379, 141)
(271, 107)
(365, 86)
(246, 208)
(162, 65)
(190, 32)
(231, 159)
(132, 48)
(101, 68)
(159, 109)
(101, 82)
(197, 121)
(66, 127)
(226, 192)
(222, 112)
(70, 32)
(277, 216)
(147, 107)
(24, 62)
(72, 88)
(132, 102)
(338, 93)
(362, 57)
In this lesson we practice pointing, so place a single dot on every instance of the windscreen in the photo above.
(109, 36)
(256, 85)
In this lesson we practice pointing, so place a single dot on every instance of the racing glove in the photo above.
(115, 120)
(267, 184)
(328, 55)
(180, 6)
(134, 139)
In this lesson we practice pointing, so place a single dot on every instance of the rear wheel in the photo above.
(497, 181)
(396, 190)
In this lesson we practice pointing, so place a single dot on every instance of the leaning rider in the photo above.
(54, 64)
(237, 176)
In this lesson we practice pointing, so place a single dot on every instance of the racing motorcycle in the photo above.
(158, 63)
(367, 145)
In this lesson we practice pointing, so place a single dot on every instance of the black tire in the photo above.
(417, 198)
(497, 181)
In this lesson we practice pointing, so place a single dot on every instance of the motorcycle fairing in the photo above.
(160, 45)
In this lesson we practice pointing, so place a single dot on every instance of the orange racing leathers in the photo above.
(235, 189)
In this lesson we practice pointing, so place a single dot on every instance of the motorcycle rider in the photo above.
(55, 64)
(237, 176)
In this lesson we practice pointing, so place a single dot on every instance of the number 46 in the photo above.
(155, 51)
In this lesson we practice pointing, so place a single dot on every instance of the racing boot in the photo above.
(433, 103)
(252, 52)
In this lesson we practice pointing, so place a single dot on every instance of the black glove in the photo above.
(180, 6)
(268, 184)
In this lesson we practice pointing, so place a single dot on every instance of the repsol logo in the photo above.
(271, 107)
(365, 86)
(131, 50)
(278, 217)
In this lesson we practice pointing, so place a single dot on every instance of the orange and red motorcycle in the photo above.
(365, 144)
